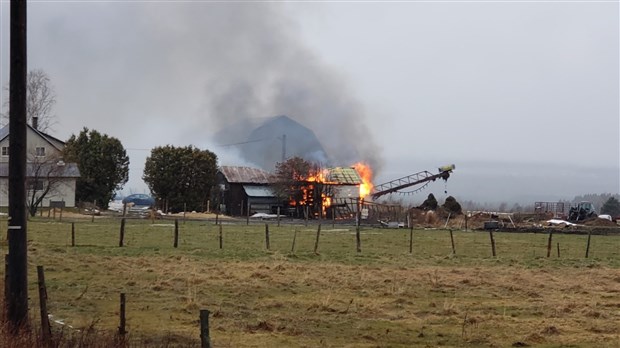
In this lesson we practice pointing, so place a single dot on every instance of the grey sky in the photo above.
(522, 97)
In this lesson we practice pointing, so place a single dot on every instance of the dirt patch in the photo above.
(198, 216)
(600, 222)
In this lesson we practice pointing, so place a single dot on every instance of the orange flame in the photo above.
(365, 172)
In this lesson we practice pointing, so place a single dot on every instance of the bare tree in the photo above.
(44, 179)
(40, 101)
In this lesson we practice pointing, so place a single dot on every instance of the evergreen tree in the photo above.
(180, 176)
(103, 164)
(611, 207)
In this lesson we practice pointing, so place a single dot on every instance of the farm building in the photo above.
(245, 186)
(47, 175)
(338, 190)
(273, 139)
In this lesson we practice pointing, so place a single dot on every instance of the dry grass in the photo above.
(383, 297)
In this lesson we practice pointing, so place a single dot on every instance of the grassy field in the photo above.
(381, 297)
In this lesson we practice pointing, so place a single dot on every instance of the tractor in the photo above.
(582, 211)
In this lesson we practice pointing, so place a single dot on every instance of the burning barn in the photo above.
(245, 187)
(327, 193)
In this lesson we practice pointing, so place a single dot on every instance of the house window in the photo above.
(40, 152)
(35, 185)
(5, 151)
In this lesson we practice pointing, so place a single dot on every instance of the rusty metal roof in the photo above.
(246, 175)
(343, 176)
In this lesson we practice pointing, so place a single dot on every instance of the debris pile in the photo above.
(429, 204)
(452, 206)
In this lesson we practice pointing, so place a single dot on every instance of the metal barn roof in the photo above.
(258, 191)
(245, 175)
(343, 176)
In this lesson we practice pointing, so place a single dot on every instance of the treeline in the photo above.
(604, 203)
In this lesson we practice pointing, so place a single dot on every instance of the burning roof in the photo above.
(343, 176)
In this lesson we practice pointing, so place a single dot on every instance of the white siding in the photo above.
(63, 191)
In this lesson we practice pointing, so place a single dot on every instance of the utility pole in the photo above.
(16, 293)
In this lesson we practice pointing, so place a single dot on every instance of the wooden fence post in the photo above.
(588, 246)
(307, 214)
(247, 218)
(205, 339)
(492, 243)
(122, 234)
(549, 243)
(358, 238)
(447, 220)
(6, 276)
(411, 239)
(121, 326)
(46, 332)
(278, 216)
(452, 241)
(267, 236)
(316, 241)
(221, 238)
(176, 233)
(217, 216)
(294, 239)
(558, 249)
(73, 234)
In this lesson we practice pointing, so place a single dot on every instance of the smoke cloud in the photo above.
(157, 73)
(264, 71)
(181, 72)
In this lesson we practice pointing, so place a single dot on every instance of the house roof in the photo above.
(245, 175)
(68, 170)
(258, 191)
(343, 176)
(4, 132)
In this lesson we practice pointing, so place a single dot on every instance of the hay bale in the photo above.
(452, 206)
(430, 203)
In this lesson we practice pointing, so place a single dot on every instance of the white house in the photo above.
(46, 171)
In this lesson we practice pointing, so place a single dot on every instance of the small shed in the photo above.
(243, 187)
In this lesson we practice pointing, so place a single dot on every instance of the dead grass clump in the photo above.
(369, 338)
(606, 328)
(534, 338)
(550, 330)
(261, 326)
(316, 307)
(593, 314)
(260, 275)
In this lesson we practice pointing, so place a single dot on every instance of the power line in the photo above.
(244, 142)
